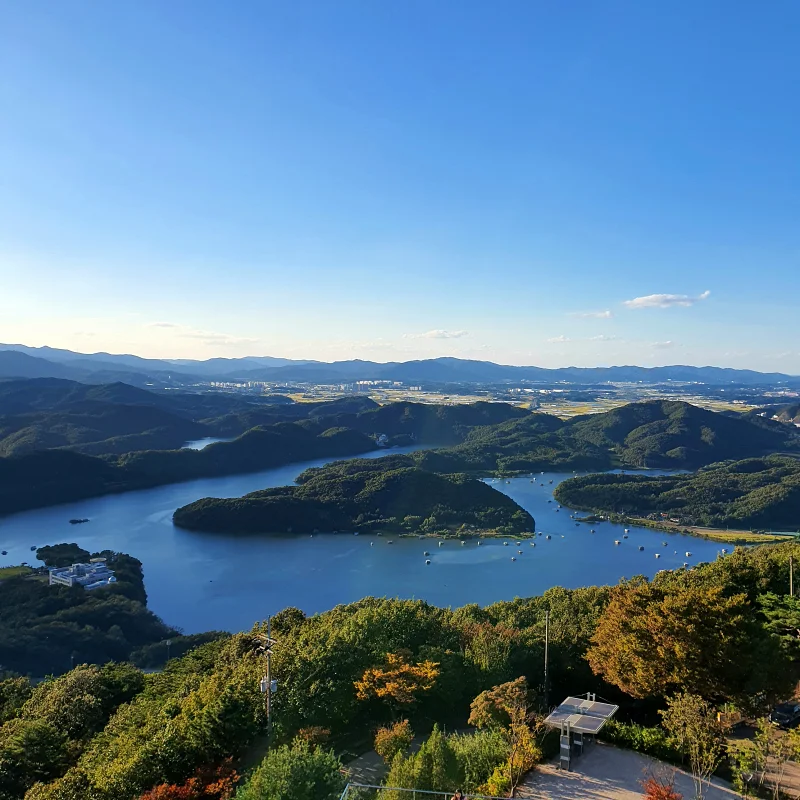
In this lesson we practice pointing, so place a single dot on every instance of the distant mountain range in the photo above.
(20, 361)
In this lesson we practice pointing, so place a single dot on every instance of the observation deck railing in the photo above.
(367, 791)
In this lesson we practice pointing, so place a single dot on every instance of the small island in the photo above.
(364, 496)
(756, 494)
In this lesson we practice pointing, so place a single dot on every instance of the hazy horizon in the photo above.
(527, 184)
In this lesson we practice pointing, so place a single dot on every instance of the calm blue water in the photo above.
(210, 581)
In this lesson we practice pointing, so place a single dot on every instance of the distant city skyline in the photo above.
(532, 184)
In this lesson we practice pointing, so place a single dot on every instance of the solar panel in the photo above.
(583, 716)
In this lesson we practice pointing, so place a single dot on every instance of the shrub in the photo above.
(653, 741)
(393, 739)
(296, 772)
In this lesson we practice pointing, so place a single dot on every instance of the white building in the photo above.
(91, 576)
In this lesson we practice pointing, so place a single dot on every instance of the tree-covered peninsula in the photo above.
(363, 495)
(759, 493)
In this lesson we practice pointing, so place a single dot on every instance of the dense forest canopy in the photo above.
(761, 493)
(364, 495)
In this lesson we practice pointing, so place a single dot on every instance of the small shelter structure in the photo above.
(577, 718)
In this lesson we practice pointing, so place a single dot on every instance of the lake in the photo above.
(203, 581)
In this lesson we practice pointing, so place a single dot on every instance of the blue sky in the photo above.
(526, 182)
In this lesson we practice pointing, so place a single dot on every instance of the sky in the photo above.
(584, 183)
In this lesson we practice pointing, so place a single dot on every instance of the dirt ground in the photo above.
(608, 773)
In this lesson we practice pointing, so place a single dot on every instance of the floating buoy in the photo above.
(663, 544)
(513, 558)
(548, 536)
(533, 544)
(519, 543)
(463, 542)
(658, 555)
(557, 510)
(626, 530)
(427, 561)
(390, 542)
(641, 547)
(685, 564)
(355, 533)
(372, 544)
(549, 501)
(625, 536)
(441, 543)
(426, 553)
(505, 544)
(592, 530)
(480, 542)
(724, 550)
(577, 524)
(519, 551)
(688, 554)
(616, 541)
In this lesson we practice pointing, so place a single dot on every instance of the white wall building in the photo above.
(91, 576)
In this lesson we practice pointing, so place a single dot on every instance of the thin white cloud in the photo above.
(662, 345)
(601, 337)
(606, 314)
(437, 334)
(665, 300)
(207, 337)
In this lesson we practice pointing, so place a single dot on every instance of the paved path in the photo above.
(605, 772)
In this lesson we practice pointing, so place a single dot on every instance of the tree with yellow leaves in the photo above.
(398, 680)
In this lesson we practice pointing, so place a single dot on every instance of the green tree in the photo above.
(506, 708)
(693, 723)
(655, 639)
(30, 751)
(13, 693)
(783, 619)
(296, 772)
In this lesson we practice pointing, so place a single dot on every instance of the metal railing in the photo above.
(368, 791)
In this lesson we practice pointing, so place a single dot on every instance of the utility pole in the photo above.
(546, 645)
(791, 576)
(268, 686)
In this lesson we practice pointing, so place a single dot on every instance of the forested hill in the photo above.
(483, 437)
(673, 433)
(42, 627)
(363, 495)
(666, 434)
(759, 493)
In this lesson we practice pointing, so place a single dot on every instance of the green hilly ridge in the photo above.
(752, 493)
(361, 496)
